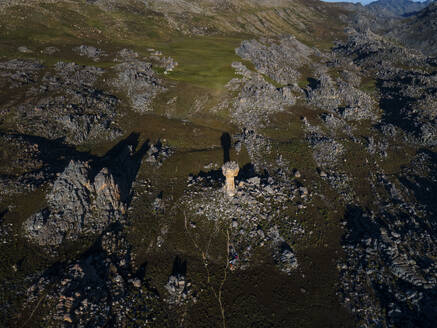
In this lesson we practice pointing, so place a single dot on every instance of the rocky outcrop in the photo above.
(328, 154)
(252, 214)
(375, 53)
(406, 94)
(77, 206)
(408, 100)
(257, 98)
(86, 199)
(387, 277)
(256, 145)
(103, 287)
(138, 80)
(283, 254)
(90, 52)
(61, 103)
(340, 97)
(158, 153)
(16, 73)
(279, 61)
(179, 290)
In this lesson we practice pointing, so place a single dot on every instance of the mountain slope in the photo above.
(419, 31)
(392, 8)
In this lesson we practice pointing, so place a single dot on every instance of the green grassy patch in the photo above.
(368, 85)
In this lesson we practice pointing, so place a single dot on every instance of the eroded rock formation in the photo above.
(77, 205)
(230, 171)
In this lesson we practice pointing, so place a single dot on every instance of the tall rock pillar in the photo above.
(230, 171)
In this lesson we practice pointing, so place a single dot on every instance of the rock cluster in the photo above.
(283, 254)
(257, 98)
(24, 50)
(50, 50)
(21, 166)
(385, 253)
(179, 290)
(167, 63)
(102, 287)
(253, 214)
(158, 153)
(90, 52)
(376, 53)
(328, 154)
(16, 73)
(138, 80)
(256, 145)
(407, 94)
(62, 102)
(339, 97)
(279, 61)
(409, 101)
(387, 277)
